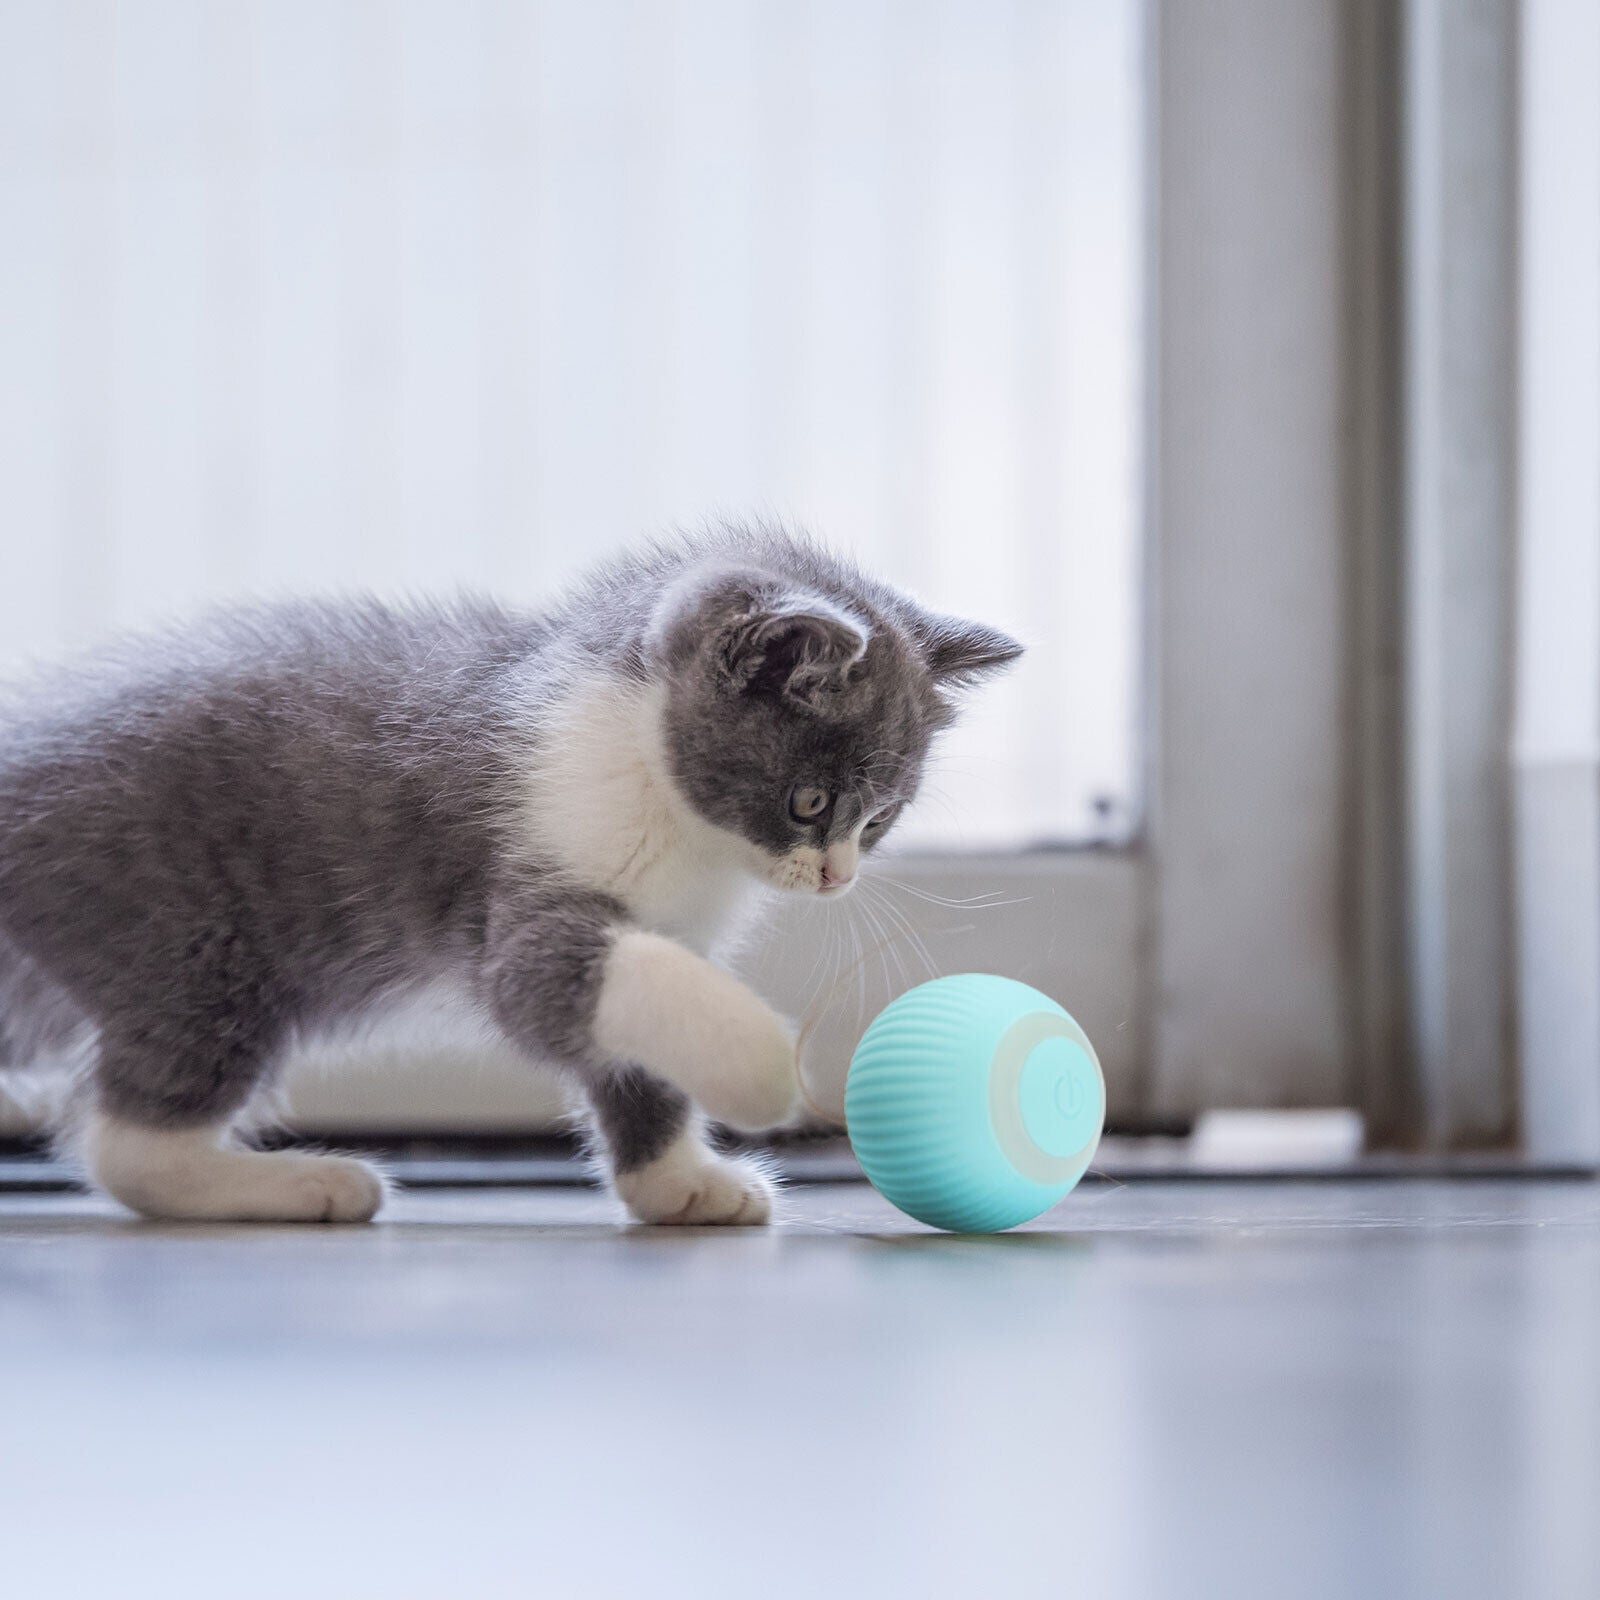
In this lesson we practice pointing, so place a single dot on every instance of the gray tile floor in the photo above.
(1191, 1389)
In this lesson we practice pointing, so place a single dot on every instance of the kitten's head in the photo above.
(800, 719)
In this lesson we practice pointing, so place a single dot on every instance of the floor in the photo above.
(1308, 1389)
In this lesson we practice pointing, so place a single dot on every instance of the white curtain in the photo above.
(311, 296)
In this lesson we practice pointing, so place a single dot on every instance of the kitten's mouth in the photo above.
(804, 877)
(810, 873)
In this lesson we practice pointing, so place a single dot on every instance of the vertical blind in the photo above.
(311, 295)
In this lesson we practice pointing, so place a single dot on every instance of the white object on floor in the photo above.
(1273, 1140)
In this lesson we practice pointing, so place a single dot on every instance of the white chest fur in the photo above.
(602, 804)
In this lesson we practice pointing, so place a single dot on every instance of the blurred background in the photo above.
(412, 296)
(1242, 357)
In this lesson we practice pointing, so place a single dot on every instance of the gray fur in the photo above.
(216, 841)
(637, 1117)
(544, 948)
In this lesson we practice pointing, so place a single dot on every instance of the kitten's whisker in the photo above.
(899, 919)
(822, 993)
(863, 911)
(976, 902)
(816, 960)
(956, 816)
(895, 924)
(860, 969)
(884, 944)
(836, 958)
(871, 905)
(915, 935)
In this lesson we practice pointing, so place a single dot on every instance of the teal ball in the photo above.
(974, 1103)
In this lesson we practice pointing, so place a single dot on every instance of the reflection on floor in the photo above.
(1291, 1389)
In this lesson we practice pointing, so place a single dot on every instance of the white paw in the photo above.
(751, 1077)
(196, 1176)
(670, 1010)
(691, 1185)
(333, 1189)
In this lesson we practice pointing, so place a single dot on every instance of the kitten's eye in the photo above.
(807, 802)
(881, 819)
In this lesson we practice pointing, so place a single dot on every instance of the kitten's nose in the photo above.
(833, 879)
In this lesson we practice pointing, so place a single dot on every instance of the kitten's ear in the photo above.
(800, 645)
(758, 634)
(959, 653)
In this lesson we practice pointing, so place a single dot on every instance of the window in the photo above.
(316, 297)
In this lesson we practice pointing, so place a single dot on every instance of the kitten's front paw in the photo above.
(700, 1028)
(752, 1075)
(693, 1186)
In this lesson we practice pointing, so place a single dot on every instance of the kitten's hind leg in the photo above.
(662, 1167)
(197, 1174)
(169, 1084)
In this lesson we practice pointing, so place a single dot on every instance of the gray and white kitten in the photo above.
(216, 843)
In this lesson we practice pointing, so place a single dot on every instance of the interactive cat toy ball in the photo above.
(974, 1103)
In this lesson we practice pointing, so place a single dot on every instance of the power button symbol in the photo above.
(1071, 1100)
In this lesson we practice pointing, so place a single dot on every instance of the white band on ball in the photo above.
(1019, 1147)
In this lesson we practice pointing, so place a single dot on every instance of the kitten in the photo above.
(215, 843)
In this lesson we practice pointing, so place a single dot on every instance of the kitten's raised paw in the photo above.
(692, 1186)
(699, 1028)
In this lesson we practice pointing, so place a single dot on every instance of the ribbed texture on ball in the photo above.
(917, 1104)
